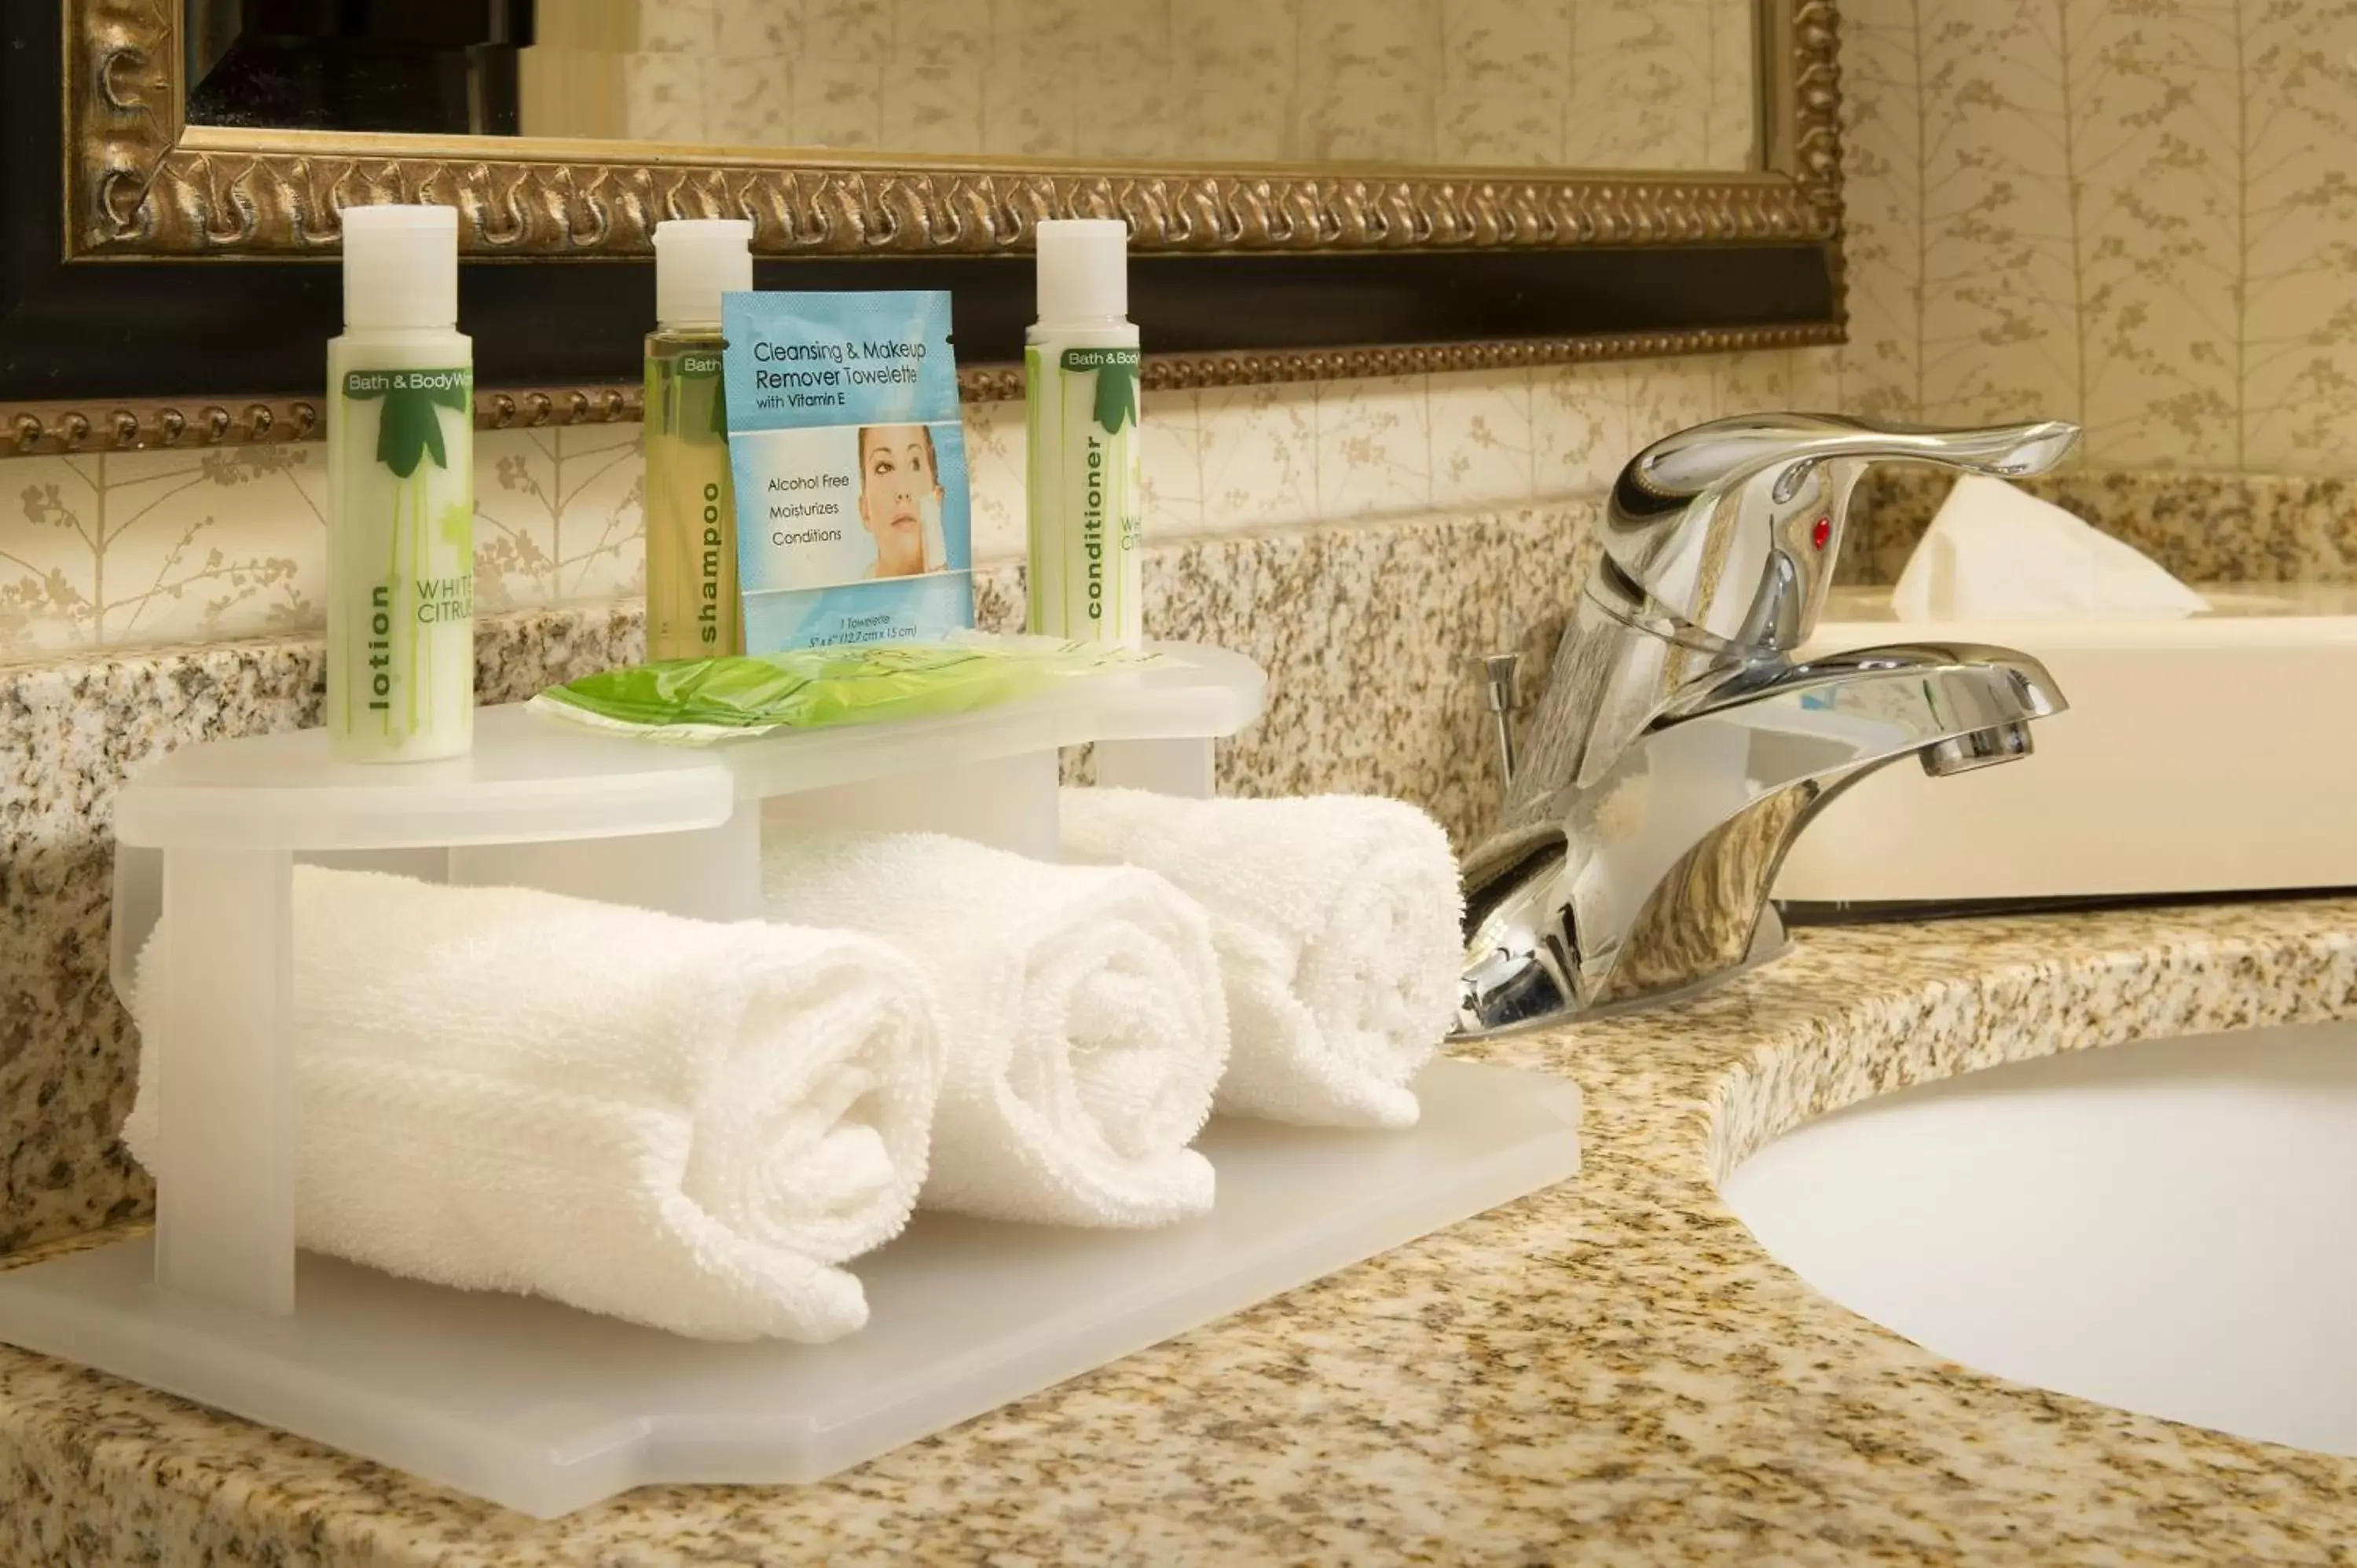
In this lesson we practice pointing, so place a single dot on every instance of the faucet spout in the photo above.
(1659, 876)
(1682, 742)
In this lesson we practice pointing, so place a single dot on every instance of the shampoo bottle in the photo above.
(1080, 364)
(401, 494)
(692, 611)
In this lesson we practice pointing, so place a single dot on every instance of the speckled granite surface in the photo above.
(2204, 528)
(1611, 1371)
(69, 733)
(1369, 634)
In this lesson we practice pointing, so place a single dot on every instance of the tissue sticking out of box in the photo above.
(1994, 550)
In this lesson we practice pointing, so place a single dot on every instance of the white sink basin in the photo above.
(2168, 1227)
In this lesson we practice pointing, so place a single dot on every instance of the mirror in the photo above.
(1314, 188)
(1570, 85)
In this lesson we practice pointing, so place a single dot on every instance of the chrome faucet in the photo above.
(1681, 746)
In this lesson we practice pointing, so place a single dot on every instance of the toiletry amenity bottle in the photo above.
(1081, 367)
(401, 494)
(692, 611)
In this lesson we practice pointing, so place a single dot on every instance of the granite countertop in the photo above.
(1612, 1370)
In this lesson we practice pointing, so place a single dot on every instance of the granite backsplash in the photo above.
(2201, 528)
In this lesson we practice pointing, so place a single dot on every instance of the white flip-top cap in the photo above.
(697, 260)
(1083, 268)
(401, 266)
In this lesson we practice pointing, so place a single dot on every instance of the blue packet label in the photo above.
(853, 518)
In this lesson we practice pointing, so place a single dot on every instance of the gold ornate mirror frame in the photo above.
(141, 183)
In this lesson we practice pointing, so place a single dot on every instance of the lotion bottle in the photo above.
(401, 494)
(693, 610)
(1081, 372)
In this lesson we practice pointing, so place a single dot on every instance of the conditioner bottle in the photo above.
(1080, 364)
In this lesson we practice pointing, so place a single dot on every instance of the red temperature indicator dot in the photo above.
(1822, 533)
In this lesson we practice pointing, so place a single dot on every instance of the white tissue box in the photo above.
(2213, 754)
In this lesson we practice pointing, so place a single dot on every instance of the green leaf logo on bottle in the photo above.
(1116, 370)
(409, 430)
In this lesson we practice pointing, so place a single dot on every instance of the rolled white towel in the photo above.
(676, 1121)
(1080, 1018)
(1336, 919)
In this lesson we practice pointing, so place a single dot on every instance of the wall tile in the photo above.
(1260, 455)
(50, 544)
(2295, 251)
(2155, 323)
(1638, 75)
(600, 521)
(515, 518)
(1374, 446)
(1730, 85)
(1029, 110)
(204, 545)
(994, 461)
(1115, 73)
(1667, 395)
(680, 27)
(1504, 68)
(1235, 77)
(1816, 384)
(1171, 452)
(762, 29)
(665, 98)
(1753, 383)
(1580, 417)
(747, 102)
(1484, 444)
(834, 105)
(938, 58)
(1365, 71)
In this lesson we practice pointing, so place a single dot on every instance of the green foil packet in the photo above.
(699, 702)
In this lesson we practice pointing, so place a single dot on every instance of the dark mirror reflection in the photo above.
(448, 67)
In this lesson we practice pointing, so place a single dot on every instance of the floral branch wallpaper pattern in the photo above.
(2135, 212)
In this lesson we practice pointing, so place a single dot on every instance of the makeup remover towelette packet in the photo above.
(849, 457)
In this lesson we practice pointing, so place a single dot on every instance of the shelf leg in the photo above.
(225, 1106)
(1165, 767)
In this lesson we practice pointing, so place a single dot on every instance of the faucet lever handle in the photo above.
(1729, 530)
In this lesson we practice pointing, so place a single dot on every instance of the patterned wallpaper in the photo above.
(1551, 83)
(2135, 213)
(164, 547)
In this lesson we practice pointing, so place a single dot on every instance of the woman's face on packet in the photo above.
(896, 478)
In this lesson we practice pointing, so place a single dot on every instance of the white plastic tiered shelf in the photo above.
(543, 1408)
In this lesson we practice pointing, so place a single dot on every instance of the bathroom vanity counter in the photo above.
(1611, 1371)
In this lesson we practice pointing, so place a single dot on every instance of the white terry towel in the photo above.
(1080, 1018)
(676, 1121)
(1336, 919)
